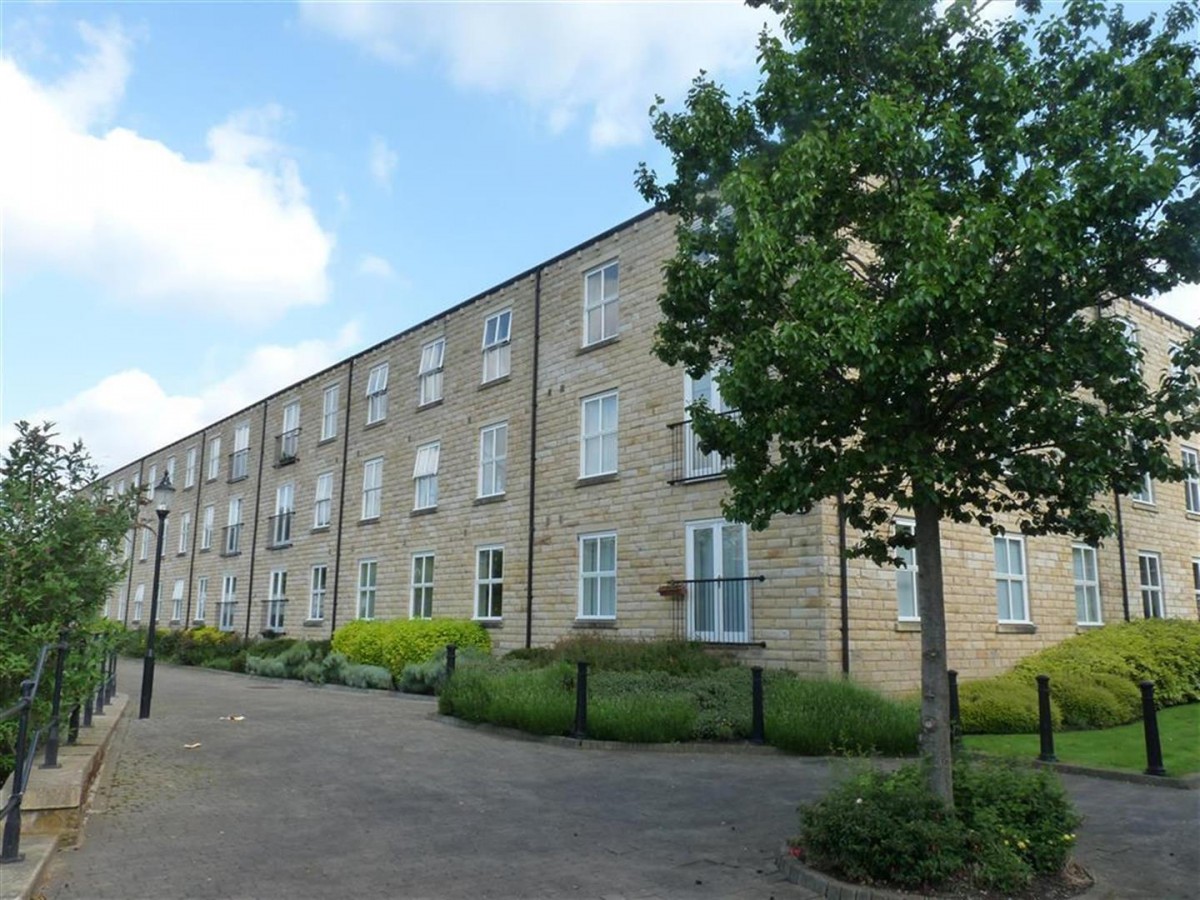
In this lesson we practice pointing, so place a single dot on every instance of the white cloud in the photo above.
(376, 266)
(232, 235)
(1183, 302)
(383, 160)
(129, 414)
(602, 61)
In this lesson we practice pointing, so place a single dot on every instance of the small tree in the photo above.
(58, 532)
(900, 254)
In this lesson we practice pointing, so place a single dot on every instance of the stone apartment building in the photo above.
(523, 459)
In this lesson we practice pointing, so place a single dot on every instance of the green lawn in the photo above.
(1111, 748)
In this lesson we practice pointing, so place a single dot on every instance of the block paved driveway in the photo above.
(325, 792)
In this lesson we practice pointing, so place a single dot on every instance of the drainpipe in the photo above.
(844, 573)
(262, 450)
(133, 551)
(199, 474)
(533, 409)
(1121, 553)
(337, 553)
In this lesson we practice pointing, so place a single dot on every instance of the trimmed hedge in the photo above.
(1002, 705)
(396, 643)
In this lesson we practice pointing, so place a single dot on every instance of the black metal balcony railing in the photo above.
(239, 465)
(688, 461)
(287, 446)
(280, 531)
(231, 540)
(713, 610)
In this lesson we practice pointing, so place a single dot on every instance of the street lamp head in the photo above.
(163, 492)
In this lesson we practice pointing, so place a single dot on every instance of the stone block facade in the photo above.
(523, 459)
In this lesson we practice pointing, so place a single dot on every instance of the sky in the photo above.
(205, 202)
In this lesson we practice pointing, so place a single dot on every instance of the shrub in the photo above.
(1003, 705)
(654, 719)
(166, 643)
(313, 672)
(199, 645)
(272, 646)
(816, 717)
(612, 655)
(430, 677)
(375, 677)
(237, 662)
(1010, 823)
(396, 643)
(540, 701)
(266, 666)
(132, 642)
(333, 667)
(220, 663)
(1095, 701)
(1165, 651)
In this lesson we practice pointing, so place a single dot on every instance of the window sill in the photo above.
(423, 511)
(279, 546)
(236, 480)
(1147, 505)
(329, 440)
(197, 623)
(205, 550)
(175, 622)
(1192, 516)
(1081, 627)
(211, 480)
(181, 553)
(313, 623)
(586, 480)
(430, 405)
(490, 498)
(501, 380)
(188, 487)
(285, 461)
(908, 625)
(490, 623)
(378, 423)
(368, 521)
(230, 555)
(594, 624)
(135, 621)
(596, 345)
(1016, 628)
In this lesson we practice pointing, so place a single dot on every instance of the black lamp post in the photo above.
(162, 493)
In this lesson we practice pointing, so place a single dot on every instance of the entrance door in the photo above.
(718, 606)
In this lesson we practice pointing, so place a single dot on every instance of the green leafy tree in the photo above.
(59, 529)
(901, 252)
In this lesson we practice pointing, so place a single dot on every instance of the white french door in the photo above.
(718, 598)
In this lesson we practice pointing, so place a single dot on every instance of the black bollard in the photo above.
(1154, 757)
(101, 691)
(955, 714)
(10, 849)
(580, 731)
(73, 725)
(112, 675)
(52, 733)
(451, 659)
(1045, 726)
(757, 735)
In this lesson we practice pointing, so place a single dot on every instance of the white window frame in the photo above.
(201, 598)
(598, 308)
(277, 600)
(330, 398)
(1144, 494)
(372, 490)
(285, 508)
(425, 475)
(421, 585)
(497, 345)
(206, 533)
(171, 470)
(908, 573)
(177, 601)
(122, 597)
(139, 603)
(323, 501)
(1196, 581)
(368, 586)
(145, 550)
(1190, 458)
(189, 467)
(1088, 608)
(600, 437)
(489, 588)
(239, 460)
(225, 615)
(214, 458)
(1152, 584)
(598, 577)
(233, 537)
(318, 587)
(185, 531)
(1009, 582)
(377, 380)
(429, 372)
(493, 459)
(289, 433)
(152, 482)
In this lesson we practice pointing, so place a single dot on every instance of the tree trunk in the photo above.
(935, 688)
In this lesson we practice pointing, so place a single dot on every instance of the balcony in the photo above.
(239, 465)
(279, 532)
(287, 446)
(688, 461)
(231, 540)
(713, 610)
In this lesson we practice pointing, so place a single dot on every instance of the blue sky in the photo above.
(204, 202)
